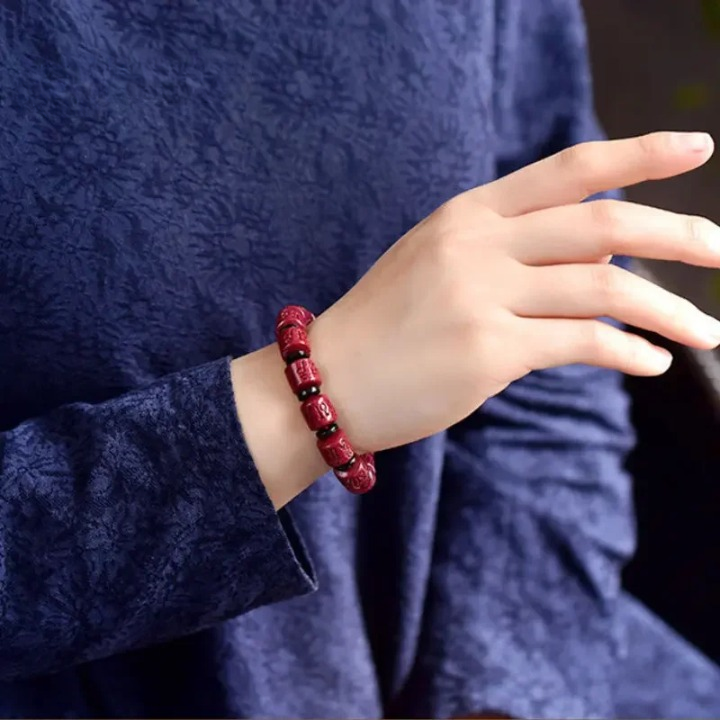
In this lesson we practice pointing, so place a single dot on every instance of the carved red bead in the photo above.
(291, 332)
(360, 477)
(293, 339)
(302, 374)
(318, 412)
(336, 449)
(293, 315)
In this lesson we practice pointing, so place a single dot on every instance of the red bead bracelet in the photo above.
(355, 472)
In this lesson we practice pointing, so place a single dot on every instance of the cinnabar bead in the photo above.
(355, 472)
(293, 315)
(302, 374)
(360, 476)
(292, 340)
(336, 449)
(318, 412)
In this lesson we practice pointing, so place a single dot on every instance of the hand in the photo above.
(508, 278)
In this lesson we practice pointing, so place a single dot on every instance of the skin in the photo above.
(504, 279)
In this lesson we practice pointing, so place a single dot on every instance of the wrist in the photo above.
(340, 382)
(284, 452)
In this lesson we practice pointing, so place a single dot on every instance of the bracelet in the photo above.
(355, 472)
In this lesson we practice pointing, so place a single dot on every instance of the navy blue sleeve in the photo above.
(535, 515)
(134, 521)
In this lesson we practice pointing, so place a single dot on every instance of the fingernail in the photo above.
(693, 141)
(712, 329)
(713, 240)
(662, 359)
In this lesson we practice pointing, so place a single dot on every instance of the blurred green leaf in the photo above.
(711, 15)
(715, 286)
(692, 96)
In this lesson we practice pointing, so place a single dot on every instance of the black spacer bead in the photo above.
(347, 465)
(327, 431)
(297, 355)
(308, 392)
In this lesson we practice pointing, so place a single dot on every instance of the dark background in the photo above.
(657, 66)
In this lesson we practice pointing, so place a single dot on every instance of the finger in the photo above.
(591, 342)
(584, 170)
(590, 231)
(592, 291)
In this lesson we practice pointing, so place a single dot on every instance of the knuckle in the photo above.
(652, 144)
(607, 217)
(680, 311)
(580, 160)
(698, 229)
(607, 284)
(465, 212)
(455, 209)
(594, 339)
(631, 350)
(446, 216)
(445, 251)
(457, 231)
(571, 158)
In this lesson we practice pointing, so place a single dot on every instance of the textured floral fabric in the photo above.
(661, 675)
(171, 173)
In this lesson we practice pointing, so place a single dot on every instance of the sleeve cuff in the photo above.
(289, 569)
(231, 551)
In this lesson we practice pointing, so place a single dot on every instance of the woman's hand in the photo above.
(501, 280)
(508, 278)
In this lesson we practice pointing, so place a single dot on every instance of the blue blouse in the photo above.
(171, 173)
